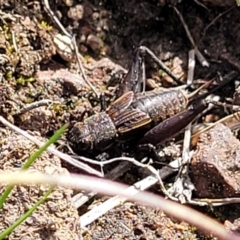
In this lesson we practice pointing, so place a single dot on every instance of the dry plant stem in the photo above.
(151, 169)
(199, 55)
(231, 121)
(231, 59)
(81, 68)
(183, 175)
(142, 185)
(56, 20)
(217, 18)
(107, 187)
(201, 4)
(187, 134)
(103, 163)
(14, 41)
(182, 179)
(191, 66)
(63, 156)
(31, 106)
(219, 201)
(106, 206)
(82, 197)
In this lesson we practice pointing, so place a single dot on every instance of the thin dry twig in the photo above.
(81, 68)
(187, 134)
(217, 18)
(80, 198)
(219, 201)
(55, 19)
(63, 156)
(31, 106)
(151, 169)
(142, 185)
(73, 40)
(14, 41)
(103, 186)
(191, 66)
(199, 55)
(202, 5)
(182, 187)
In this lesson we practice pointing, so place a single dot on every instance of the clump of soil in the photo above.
(34, 68)
(56, 218)
(132, 221)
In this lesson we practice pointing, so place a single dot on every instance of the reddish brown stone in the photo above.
(215, 166)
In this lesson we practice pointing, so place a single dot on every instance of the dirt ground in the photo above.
(35, 67)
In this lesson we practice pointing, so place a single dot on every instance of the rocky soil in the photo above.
(37, 65)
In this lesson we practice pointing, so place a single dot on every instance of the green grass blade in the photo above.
(4, 234)
(42, 149)
(5, 195)
(31, 159)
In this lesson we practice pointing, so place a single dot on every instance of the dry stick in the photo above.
(63, 156)
(231, 121)
(56, 20)
(82, 182)
(199, 55)
(103, 163)
(182, 180)
(151, 169)
(81, 68)
(231, 59)
(191, 66)
(14, 41)
(219, 201)
(142, 185)
(202, 5)
(31, 106)
(80, 198)
(217, 18)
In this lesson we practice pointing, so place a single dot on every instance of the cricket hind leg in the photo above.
(160, 64)
(135, 80)
(135, 76)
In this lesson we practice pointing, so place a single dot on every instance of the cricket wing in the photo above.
(120, 104)
(131, 119)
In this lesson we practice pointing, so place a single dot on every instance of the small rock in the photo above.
(94, 42)
(215, 166)
(64, 46)
(76, 13)
(68, 3)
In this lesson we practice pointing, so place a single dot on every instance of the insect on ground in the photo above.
(138, 116)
